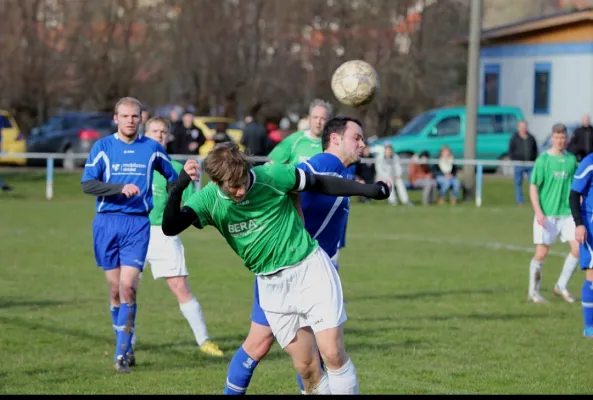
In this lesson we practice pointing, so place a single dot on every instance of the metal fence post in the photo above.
(49, 183)
(479, 178)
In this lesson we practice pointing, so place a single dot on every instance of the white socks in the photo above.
(193, 314)
(322, 387)
(535, 276)
(568, 268)
(344, 380)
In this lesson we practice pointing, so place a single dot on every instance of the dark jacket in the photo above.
(182, 137)
(255, 139)
(365, 171)
(436, 170)
(581, 142)
(523, 149)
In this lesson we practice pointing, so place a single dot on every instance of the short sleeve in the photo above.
(96, 163)
(283, 176)
(203, 202)
(537, 176)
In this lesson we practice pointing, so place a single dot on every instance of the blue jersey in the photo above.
(326, 216)
(114, 161)
(582, 183)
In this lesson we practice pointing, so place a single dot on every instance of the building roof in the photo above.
(539, 23)
(534, 25)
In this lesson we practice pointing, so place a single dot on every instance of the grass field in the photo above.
(436, 304)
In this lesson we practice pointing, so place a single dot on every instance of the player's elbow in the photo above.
(168, 228)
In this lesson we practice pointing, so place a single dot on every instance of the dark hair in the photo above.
(335, 125)
(424, 153)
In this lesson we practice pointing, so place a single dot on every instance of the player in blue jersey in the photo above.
(119, 172)
(581, 207)
(325, 220)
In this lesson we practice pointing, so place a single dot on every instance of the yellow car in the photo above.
(208, 126)
(11, 140)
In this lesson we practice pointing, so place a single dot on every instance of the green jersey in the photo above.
(295, 149)
(160, 196)
(552, 174)
(264, 229)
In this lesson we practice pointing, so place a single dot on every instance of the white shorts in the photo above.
(166, 255)
(307, 294)
(554, 227)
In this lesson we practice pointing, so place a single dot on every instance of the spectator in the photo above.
(421, 177)
(390, 170)
(187, 138)
(365, 172)
(255, 138)
(445, 172)
(221, 135)
(145, 117)
(522, 147)
(581, 143)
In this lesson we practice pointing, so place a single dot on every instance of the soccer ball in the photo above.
(355, 83)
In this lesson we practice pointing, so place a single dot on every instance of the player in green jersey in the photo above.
(299, 288)
(166, 255)
(302, 145)
(549, 192)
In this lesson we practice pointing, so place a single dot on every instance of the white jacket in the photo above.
(389, 168)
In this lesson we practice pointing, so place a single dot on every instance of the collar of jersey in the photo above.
(309, 135)
(251, 183)
(116, 136)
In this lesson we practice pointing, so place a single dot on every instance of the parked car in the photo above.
(70, 133)
(11, 140)
(446, 126)
(208, 126)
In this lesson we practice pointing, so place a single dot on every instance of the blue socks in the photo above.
(240, 372)
(125, 326)
(587, 303)
(114, 313)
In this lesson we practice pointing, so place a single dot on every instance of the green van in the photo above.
(446, 126)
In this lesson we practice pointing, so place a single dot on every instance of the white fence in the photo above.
(479, 164)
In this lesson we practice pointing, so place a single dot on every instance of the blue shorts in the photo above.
(586, 249)
(120, 239)
(257, 314)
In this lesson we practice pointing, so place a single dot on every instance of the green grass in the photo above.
(435, 304)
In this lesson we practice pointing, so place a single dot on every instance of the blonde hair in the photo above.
(131, 101)
(160, 120)
(227, 163)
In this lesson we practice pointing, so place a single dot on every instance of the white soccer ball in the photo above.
(355, 83)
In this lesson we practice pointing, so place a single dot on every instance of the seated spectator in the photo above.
(421, 177)
(445, 172)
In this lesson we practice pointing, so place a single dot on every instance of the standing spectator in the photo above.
(522, 147)
(187, 138)
(390, 170)
(3, 186)
(255, 138)
(445, 172)
(365, 172)
(581, 143)
(221, 135)
(145, 117)
(421, 177)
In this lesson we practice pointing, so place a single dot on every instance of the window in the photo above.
(491, 84)
(449, 126)
(541, 88)
(496, 123)
(416, 125)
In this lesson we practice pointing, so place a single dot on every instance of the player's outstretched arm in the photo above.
(176, 219)
(97, 188)
(335, 186)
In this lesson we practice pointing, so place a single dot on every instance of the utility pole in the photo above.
(472, 96)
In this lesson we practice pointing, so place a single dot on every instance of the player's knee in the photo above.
(127, 292)
(308, 368)
(335, 357)
(257, 345)
(178, 286)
